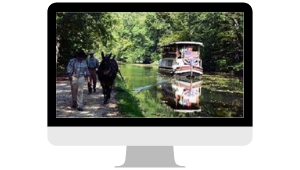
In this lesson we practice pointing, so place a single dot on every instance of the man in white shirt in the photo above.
(77, 70)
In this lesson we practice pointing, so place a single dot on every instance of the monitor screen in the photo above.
(179, 66)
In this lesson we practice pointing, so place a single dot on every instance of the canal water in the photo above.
(214, 95)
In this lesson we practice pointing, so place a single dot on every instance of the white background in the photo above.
(23, 106)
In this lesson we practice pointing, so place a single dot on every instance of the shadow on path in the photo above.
(93, 106)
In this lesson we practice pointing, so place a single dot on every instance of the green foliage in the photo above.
(137, 36)
(238, 66)
(80, 30)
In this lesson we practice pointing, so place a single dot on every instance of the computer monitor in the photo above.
(211, 105)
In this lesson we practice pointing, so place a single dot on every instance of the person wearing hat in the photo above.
(93, 64)
(77, 71)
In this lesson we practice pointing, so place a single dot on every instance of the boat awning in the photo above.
(184, 42)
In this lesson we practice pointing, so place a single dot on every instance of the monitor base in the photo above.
(149, 156)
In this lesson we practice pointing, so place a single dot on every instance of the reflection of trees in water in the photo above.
(152, 93)
(160, 99)
(212, 103)
(138, 76)
(213, 109)
(221, 104)
(191, 114)
(219, 82)
(151, 104)
(148, 68)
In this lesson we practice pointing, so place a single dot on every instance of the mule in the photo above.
(107, 72)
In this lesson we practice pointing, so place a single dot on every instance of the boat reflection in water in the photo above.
(182, 94)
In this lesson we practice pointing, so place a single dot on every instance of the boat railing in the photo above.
(200, 63)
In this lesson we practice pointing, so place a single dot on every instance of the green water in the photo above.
(157, 95)
(138, 76)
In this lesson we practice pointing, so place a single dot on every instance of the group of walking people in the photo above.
(80, 69)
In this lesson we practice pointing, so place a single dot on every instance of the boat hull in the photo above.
(182, 71)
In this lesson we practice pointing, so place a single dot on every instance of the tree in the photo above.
(134, 36)
(80, 30)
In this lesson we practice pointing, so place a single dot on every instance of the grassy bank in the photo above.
(142, 104)
(151, 103)
(128, 103)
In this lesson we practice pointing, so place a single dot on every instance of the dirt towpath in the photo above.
(93, 106)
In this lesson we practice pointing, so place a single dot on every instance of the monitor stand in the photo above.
(150, 156)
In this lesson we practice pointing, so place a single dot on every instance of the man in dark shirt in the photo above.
(93, 64)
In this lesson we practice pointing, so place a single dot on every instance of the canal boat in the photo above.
(181, 58)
